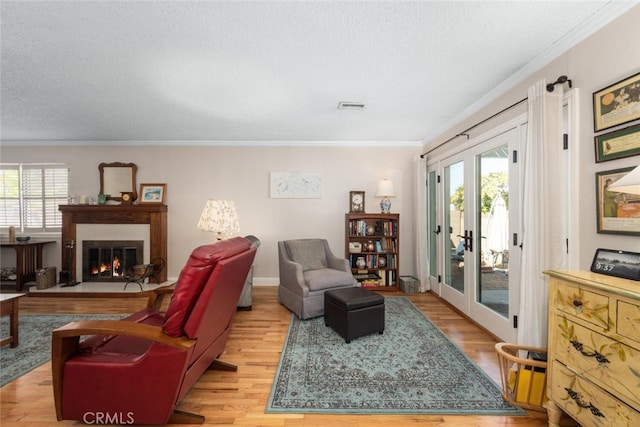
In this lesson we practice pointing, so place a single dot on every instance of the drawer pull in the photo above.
(577, 303)
(601, 358)
(577, 397)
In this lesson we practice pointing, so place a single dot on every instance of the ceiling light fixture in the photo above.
(351, 105)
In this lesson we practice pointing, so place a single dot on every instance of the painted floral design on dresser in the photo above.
(585, 305)
(579, 399)
(612, 363)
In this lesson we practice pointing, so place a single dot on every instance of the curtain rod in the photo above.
(464, 132)
(559, 81)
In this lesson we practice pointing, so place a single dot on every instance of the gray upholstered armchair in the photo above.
(308, 268)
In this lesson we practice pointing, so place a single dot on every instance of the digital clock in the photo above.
(617, 263)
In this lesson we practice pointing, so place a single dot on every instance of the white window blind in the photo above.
(30, 195)
(9, 196)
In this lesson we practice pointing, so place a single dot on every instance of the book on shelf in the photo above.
(358, 228)
(370, 283)
(366, 276)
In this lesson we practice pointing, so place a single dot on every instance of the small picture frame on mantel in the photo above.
(152, 194)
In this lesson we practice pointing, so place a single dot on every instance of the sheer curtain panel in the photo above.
(542, 235)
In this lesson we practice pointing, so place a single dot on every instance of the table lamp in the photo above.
(219, 216)
(385, 191)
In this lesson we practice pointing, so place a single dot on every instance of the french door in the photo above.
(473, 230)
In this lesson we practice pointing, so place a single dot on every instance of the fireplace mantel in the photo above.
(153, 214)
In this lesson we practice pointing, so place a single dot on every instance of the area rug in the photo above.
(413, 368)
(34, 347)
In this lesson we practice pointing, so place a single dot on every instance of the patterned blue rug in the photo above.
(413, 368)
(34, 347)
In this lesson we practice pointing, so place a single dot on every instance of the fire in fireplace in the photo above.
(110, 260)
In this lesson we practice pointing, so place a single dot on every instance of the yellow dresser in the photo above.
(594, 349)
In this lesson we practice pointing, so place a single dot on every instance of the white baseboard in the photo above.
(266, 281)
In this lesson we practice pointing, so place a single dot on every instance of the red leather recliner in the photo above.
(136, 370)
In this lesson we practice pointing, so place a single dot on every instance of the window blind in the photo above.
(40, 189)
(10, 196)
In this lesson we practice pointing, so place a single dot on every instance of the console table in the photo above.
(28, 259)
(153, 214)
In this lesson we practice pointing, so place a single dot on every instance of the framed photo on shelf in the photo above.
(152, 193)
(617, 263)
(618, 144)
(618, 213)
(617, 104)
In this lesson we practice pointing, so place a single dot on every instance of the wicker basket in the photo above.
(45, 277)
(524, 380)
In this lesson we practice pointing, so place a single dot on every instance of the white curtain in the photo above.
(541, 209)
(420, 215)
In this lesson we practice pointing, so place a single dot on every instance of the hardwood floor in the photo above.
(255, 343)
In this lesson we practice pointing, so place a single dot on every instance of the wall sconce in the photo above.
(630, 183)
(385, 191)
(220, 217)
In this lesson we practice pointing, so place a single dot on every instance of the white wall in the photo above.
(195, 174)
(606, 57)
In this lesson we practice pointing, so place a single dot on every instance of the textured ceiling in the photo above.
(273, 71)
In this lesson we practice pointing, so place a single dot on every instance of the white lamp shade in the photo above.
(630, 183)
(385, 189)
(219, 216)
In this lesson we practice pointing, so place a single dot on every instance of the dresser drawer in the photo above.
(587, 403)
(583, 304)
(608, 363)
(628, 322)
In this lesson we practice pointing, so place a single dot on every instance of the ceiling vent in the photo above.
(351, 105)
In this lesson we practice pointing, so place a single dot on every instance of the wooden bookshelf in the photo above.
(372, 246)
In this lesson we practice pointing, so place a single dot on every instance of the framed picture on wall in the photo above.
(618, 144)
(152, 193)
(617, 104)
(618, 213)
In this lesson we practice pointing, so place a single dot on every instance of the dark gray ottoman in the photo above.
(354, 312)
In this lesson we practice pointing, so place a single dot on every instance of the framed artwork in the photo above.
(617, 104)
(618, 144)
(617, 263)
(152, 193)
(295, 185)
(618, 213)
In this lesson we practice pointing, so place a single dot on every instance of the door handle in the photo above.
(437, 230)
(468, 240)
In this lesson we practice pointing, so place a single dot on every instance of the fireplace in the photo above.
(152, 215)
(110, 260)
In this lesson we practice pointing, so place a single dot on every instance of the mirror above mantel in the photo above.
(117, 178)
